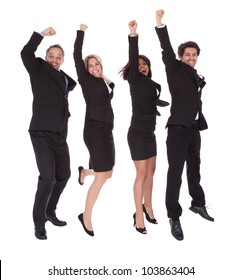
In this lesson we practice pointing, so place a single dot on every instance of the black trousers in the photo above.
(183, 145)
(53, 161)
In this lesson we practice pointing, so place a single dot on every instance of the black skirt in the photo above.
(99, 140)
(142, 141)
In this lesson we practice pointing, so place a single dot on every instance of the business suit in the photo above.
(99, 117)
(48, 128)
(183, 140)
(144, 95)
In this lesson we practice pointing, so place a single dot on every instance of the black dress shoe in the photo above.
(202, 211)
(80, 168)
(176, 229)
(55, 221)
(81, 218)
(40, 232)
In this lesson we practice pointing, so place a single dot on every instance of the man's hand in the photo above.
(159, 15)
(48, 32)
(83, 27)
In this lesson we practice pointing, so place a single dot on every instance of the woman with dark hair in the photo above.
(99, 118)
(141, 134)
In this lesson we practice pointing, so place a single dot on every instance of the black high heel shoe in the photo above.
(81, 218)
(153, 221)
(80, 168)
(141, 230)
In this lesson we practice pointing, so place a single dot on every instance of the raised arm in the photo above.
(133, 51)
(82, 73)
(168, 55)
(28, 52)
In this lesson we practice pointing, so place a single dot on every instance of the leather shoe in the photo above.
(202, 211)
(40, 232)
(150, 220)
(55, 221)
(176, 229)
(81, 218)
(80, 168)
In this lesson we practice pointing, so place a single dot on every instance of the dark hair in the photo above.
(55, 46)
(189, 44)
(125, 70)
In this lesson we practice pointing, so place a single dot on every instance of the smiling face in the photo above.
(55, 57)
(189, 56)
(94, 67)
(143, 67)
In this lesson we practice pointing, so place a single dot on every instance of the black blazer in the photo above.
(184, 86)
(144, 91)
(95, 91)
(50, 95)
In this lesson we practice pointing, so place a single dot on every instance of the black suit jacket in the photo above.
(50, 95)
(184, 85)
(95, 91)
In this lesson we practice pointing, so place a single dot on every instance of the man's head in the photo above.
(188, 53)
(55, 56)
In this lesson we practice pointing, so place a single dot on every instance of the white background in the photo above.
(211, 248)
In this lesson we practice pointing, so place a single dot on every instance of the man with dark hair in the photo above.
(48, 127)
(189, 44)
(184, 125)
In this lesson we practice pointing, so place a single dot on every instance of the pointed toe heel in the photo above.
(150, 220)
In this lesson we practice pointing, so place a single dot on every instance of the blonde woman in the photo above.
(98, 92)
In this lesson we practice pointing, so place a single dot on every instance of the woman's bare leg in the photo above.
(141, 173)
(148, 186)
(92, 195)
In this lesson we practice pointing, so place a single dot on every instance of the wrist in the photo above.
(160, 25)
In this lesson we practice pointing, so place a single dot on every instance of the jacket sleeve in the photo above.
(82, 73)
(28, 53)
(133, 58)
(168, 55)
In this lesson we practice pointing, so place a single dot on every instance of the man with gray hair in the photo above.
(48, 127)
